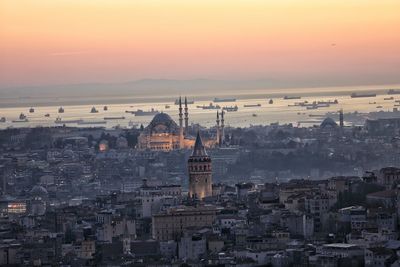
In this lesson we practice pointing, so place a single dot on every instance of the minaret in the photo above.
(126, 241)
(180, 124)
(218, 132)
(222, 139)
(200, 173)
(341, 118)
(186, 117)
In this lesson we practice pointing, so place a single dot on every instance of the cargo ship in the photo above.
(224, 99)
(230, 109)
(388, 98)
(291, 97)
(25, 120)
(115, 118)
(60, 121)
(141, 112)
(394, 92)
(189, 102)
(355, 95)
(91, 122)
(210, 106)
(252, 105)
(330, 102)
(22, 118)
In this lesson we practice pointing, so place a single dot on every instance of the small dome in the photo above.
(38, 190)
(328, 122)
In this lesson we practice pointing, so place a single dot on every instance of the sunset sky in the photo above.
(44, 42)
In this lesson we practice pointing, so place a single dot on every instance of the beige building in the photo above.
(164, 134)
(171, 224)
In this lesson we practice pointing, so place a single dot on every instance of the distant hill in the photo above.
(145, 87)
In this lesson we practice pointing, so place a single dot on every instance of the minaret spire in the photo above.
(341, 118)
(222, 139)
(180, 123)
(126, 240)
(218, 132)
(186, 117)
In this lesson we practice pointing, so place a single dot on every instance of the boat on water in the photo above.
(312, 107)
(217, 99)
(61, 121)
(94, 110)
(114, 118)
(105, 108)
(314, 104)
(330, 102)
(91, 122)
(286, 97)
(389, 98)
(189, 102)
(60, 110)
(300, 104)
(210, 106)
(25, 120)
(394, 92)
(31, 110)
(22, 118)
(3, 119)
(140, 112)
(47, 115)
(252, 105)
(271, 101)
(231, 108)
(355, 95)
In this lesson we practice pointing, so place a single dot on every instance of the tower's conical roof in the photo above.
(199, 149)
(126, 231)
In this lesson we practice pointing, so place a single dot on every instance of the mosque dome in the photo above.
(162, 123)
(38, 191)
(328, 123)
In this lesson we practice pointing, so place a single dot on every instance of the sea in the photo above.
(282, 110)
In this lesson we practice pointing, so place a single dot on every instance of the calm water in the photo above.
(265, 114)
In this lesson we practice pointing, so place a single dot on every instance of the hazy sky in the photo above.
(73, 41)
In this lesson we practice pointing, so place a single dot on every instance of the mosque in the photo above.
(164, 134)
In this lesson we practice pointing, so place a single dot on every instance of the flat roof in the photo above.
(340, 245)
